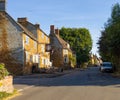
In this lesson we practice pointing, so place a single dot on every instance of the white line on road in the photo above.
(28, 87)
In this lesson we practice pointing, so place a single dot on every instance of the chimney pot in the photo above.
(2, 5)
(22, 20)
(37, 25)
(52, 30)
(57, 31)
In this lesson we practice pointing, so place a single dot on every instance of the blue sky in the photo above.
(91, 14)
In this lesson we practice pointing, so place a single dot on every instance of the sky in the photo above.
(90, 14)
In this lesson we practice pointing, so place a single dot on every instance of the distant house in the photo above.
(43, 41)
(95, 61)
(61, 52)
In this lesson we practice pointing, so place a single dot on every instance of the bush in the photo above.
(3, 71)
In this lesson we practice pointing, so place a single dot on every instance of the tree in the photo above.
(109, 42)
(80, 42)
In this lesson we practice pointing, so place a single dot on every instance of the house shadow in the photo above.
(79, 78)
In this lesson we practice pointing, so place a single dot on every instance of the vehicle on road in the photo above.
(106, 67)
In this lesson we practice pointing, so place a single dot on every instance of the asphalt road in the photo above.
(78, 85)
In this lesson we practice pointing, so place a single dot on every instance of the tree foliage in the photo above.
(109, 42)
(80, 42)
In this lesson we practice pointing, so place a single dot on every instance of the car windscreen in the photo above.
(107, 65)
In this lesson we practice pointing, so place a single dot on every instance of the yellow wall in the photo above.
(44, 56)
(30, 47)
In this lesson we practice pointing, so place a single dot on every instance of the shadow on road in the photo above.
(89, 77)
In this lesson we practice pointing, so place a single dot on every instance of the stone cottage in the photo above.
(61, 52)
(18, 46)
(43, 42)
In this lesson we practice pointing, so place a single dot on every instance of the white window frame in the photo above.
(35, 44)
(42, 35)
(27, 40)
(42, 48)
(34, 58)
(27, 56)
(31, 58)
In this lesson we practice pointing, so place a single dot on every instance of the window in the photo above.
(68, 46)
(65, 52)
(35, 58)
(42, 48)
(31, 58)
(27, 40)
(47, 39)
(44, 62)
(65, 59)
(35, 44)
(27, 56)
(48, 47)
(42, 35)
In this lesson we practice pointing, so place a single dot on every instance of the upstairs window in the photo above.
(35, 44)
(42, 48)
(27, 56)
(27, 40)
(42, 35)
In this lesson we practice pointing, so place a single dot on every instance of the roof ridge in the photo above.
(38, 28)
(23, 28)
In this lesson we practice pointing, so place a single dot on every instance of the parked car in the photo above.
(106, 67)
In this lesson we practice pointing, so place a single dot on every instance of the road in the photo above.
(78, 85)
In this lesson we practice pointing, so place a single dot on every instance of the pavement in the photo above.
(49, 75)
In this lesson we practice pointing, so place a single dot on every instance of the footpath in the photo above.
(48, 75)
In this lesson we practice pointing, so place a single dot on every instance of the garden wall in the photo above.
(6, 84)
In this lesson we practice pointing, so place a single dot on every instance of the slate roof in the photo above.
(63, 42)
(29, 23)
(27, 32)
(9, 18)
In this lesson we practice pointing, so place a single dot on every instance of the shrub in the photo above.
(3, 71)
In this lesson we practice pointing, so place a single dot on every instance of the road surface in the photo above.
(78, 85)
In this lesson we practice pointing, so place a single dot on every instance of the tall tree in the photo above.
(80, 41)
(109, 42)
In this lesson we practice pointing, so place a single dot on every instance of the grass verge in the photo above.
(8, 96)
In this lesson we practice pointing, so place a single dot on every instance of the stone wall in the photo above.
(57, 55)
(6, 85)
(11, 44)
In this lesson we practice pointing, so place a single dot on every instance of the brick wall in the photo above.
(6, 85)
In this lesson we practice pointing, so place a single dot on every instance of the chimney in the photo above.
(37, 25)
(57, 31)
(52, 30)
(22, 20)
(2, 5)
